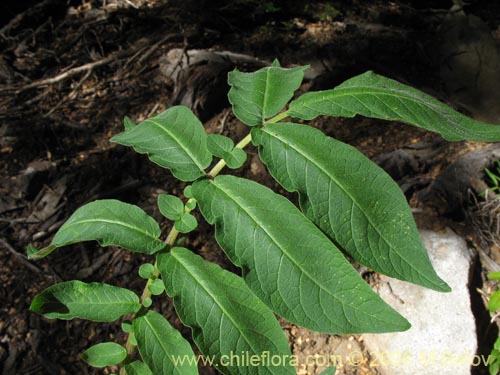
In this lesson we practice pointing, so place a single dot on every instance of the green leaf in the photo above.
(104, 354)
(223, 147)
(350, 198)
(191, 204)
(94, 301)
(186, 223)
(174, 139)
(497, 344)
(31, 251)
(288, 262)
(126, 327)
(224, 315)
(187, 192)
(219, 145)
(170, 206)
(128, 124)
(236, 158)
(494, 276)
(329, 371)
(161, 346)
(375, 96)
(137, 368)
(146, 270)
(494, 302)
(111, 223)
(147, 302)
(494, 367)
(156, 287)
(131, 336)
(260, 95)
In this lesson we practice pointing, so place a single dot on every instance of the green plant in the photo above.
(494, 177)
(290, 258)
(493, 307)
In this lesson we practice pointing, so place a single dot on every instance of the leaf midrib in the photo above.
(184, 148)
(266, 94)
(120, 223)
(276, 242)
(214, 298)
(165, 351)
(320, 166)
(400, 95)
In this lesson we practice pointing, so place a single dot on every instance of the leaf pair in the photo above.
(226, 318)
(223, 147)
(172, 208)
(288, 262)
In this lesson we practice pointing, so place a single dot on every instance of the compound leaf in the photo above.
(224, 315)
(174, 139)
(95, 301)
(109, 222)
(260, 95)
(162, 347)
(104, 354)
(372, 95)
(137, 368)
(350, 198)
(288, 262)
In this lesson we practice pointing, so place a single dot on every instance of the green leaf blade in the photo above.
(260, 95)
(110, 223)
(174, 139)
(104, 354)
(494, 302)
(224, 315)
(137, 368)
(161, 346)
(95, 301)
(219, 145)
(350, 198)
(170, 206)
(288, 262)
(375, 96)
(329, 371)
(236, 158)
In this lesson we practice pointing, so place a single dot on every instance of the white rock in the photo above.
(442, 339)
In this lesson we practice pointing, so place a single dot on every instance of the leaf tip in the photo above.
(34, 254)
(31, 251)
(443, 287)
(128, 124)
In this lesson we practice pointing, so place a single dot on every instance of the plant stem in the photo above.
(146, 293)
(243, 143)
(172, 235)
(221, 163)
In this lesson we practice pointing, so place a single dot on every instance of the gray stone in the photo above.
(442, 339)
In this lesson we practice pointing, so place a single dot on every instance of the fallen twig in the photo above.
(21, 257)
(74, 71)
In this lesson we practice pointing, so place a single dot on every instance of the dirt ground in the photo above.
(70, 70)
